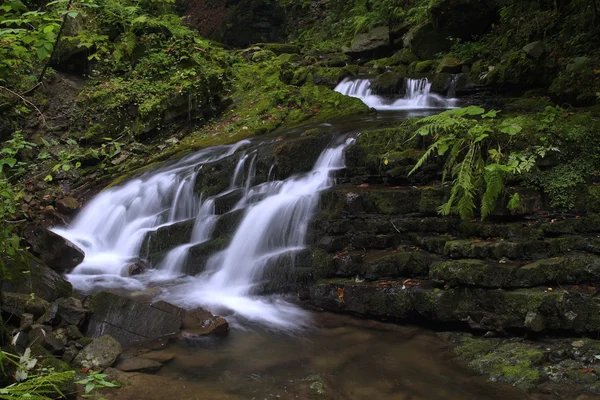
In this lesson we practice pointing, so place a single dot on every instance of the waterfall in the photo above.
(112, 227)
(418, 95)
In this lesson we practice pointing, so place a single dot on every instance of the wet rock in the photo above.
(138, 364)
(156, 244)
(55, 341)
(201, 322)
(161, 356)
(535, 322)
(138, 268)
(131, 321)
(534, 49)
(55, 251)
(388, 83)
(39, 280)
(425, 41)
(372, 43)
(67, 206)
(71, 311)
(73, 333)
(99, 354)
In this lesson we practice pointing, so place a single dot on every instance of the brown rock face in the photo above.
(200, 322)
(55, 251)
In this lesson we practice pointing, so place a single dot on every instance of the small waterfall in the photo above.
(112, 227)
(418, 95)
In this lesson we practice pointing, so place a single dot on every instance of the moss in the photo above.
(328, 76)
(388, 83)
(431, 200)
(280, 48)
(423, 67)
(405, 57)
(263, 55)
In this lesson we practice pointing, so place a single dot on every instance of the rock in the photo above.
(138, 364)
(21, 341)
(426, 42)
(161, 356)
(99, 354)
(201, 322)
(405, 57)
(534, 49)
(131, 321)
(280, 48)
(535, 322)
(463, 19)
(26, 322)
(38, 279)
(18, 304)
(138, 268)
(71, 311)
(70, 354)
(450, 65)
(263, 55)
(68, 206)
(578, 344)
(388, 83)
(55, 342)
(370, 44)
(55, 251)
(425, 66)
(73, 333)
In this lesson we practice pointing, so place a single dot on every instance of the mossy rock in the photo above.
(527, 104)
(388, 83)
(424, 67)
(263, 55)
(405, 57)
(157, 243)
(328, 76)
(280, 48)
(577, 84)
(199, 255)
(450, 65)
(503, 361)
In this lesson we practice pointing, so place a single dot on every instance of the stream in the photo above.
(275, 349)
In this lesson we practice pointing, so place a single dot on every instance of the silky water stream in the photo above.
(275, 349)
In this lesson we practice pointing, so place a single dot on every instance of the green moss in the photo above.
(423, 67)
(263, 55)
(405, 57)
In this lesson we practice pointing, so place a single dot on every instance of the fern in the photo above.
(43, 387)
(494, 185)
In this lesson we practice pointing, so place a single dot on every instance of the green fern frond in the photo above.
(44, 387)
(494, 185)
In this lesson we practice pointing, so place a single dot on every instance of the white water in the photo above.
(418, 95)
(112, 227)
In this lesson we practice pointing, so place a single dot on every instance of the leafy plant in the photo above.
(472, 144)
(32, 383)
(95, 380)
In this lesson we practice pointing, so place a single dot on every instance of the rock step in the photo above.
(377, 224)
(569, 269)
(534, 309)
(424, 200)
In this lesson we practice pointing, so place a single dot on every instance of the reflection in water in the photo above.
(343, 357)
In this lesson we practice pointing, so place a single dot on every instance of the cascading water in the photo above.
(418, 95)
(112, 227)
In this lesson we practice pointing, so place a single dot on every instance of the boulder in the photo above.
(534, 49)
(55, 251)
(388, 83)
(138, 364)
(450, 65)
(200, 322)
(463, 19)
(101, 353)
(68, 206)
(426, 42)
(405, 57)
(38, 279)
(132, 321)
(375, 42)
(161, 356)
(17, 304)
(71, 312)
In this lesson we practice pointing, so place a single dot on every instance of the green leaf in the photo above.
(66, 167)
(490, 114)
(511, 129)
(89, 387)
(514, 202)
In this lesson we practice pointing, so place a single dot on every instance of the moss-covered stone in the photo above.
(405, 57)
(280, 48)
(424, 67)
(388, 83)
(156, 244)
(263, 55)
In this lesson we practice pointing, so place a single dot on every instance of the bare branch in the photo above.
(26, 102)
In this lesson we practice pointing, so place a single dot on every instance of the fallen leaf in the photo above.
(476, 240)
(341, 294)
(364, 185)
(587, 370)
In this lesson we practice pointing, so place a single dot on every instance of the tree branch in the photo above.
(26, 102)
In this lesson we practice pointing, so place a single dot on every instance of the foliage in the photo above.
(473, 144)
(32, 382)
(95, 380)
